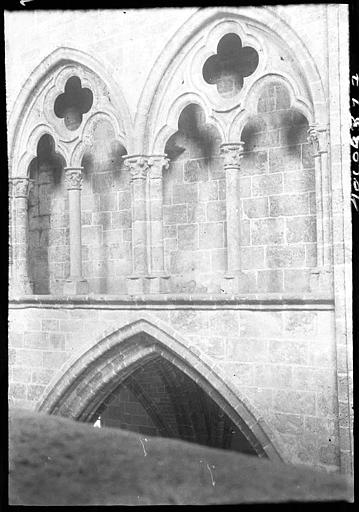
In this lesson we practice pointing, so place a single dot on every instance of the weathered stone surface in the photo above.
(267, 185)
(255, 162)
(290, 352)
(216, 211)
(188, 236)
(211, 235)
(187, 193)
(267, 231)
(288, 159)
(284, 256)
(195, 170)
(253, 208)
(289, 204)
(301, 229)
(270, 281)
(252, 257)
(247, 349)
(297, 402)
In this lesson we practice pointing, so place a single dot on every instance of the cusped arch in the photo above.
(171, 125)
(88, 378)
(40, 76)
(30, 151)
(297, 102)
(264, 18)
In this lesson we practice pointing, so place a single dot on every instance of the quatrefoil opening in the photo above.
(230, 65)
(73, 103)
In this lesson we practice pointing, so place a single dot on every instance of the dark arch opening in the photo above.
(47, 224)
(158, 399)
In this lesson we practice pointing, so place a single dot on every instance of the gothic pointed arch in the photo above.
(178, 69)
(40, 105)
(88, 378)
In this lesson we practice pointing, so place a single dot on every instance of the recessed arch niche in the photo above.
(194, 204)
(106, 211)
(90, 380)
(48, 253)
(278, 196)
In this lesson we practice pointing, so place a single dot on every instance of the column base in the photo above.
(321, 280)
(229, 284)
(157, 284)
(75, 287)
(238, 282)
(140, 284)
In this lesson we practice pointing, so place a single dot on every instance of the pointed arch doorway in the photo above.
(144, 378)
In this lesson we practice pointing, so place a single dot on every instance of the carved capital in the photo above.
(318, 141)
(157, 164)
(21, 187)
(73, 178)
(137, 165)
(232, 153)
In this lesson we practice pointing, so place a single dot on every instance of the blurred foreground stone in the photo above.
(56, 461)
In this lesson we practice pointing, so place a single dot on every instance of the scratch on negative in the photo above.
(143, 446)
(210, 471)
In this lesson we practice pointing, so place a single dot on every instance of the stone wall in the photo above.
(194, 210)
(106, 215)
(282, 359)
(277, 189)
(48, 223)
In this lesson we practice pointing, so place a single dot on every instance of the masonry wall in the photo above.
(283, 360)
(48, 225)
(277, 189)
(106, 214)
(194, 210)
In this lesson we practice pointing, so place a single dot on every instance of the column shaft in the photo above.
(75, 233)
(232, 153)
(21, 284)
(75, 284)
(233, 221)
(321, 275)
(138, 167)
(157, 165)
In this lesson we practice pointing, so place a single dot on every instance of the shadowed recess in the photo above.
(46, 232)
(158, 399)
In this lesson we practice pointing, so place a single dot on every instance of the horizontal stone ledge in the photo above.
(174, 301)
